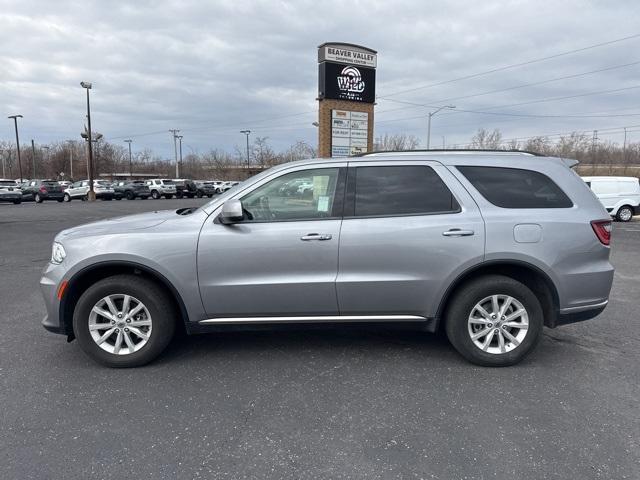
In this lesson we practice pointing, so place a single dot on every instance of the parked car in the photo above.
(64, 183)
(80, 190)
(185, 188)
(132, 189)
(205, 189)
(619, 195)
(161, 188)
(9, 191)
(489, 246)
(41, 190)
(218, 184)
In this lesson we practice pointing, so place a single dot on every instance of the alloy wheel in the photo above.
(498, 324)
(120, 324)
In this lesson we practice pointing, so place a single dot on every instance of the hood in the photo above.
(128, 223)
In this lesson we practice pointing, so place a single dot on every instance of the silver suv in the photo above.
(489, 246)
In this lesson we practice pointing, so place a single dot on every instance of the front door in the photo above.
(408, 229)
(282, 259)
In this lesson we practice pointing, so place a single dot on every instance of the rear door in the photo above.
(409, 228)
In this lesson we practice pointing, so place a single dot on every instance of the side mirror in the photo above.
(231, 212)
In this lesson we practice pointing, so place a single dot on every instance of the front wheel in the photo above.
(124, 321)
(67, 197)
(494, 321)
(155, 195)
(625, 213)
(17, 202)
(38, 198)
(168, 197)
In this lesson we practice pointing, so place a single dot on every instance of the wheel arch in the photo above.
(86, 277)
(528, 274)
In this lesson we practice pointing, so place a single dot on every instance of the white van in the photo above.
(619, 195)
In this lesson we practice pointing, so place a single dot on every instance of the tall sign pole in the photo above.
(346, 96)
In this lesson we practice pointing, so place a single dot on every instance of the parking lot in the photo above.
(310, 402)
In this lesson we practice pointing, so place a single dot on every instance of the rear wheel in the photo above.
(17, 202)
(124, 321)
(494, 321)
(38, 198)
(155, 194)
(130, 196)
(67, 197)
(168, 197)
(625, 213)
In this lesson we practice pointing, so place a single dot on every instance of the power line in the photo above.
(550, 80)
(514, 65)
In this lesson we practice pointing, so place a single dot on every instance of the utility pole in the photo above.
(431, 114)
(180, 140)
(175, 150)
(594, 145)
(33, 158)
(247, 132)
(130, 171)
(624, 147)
(4, 175)
(91, 195)
(45, 159)
(15, 123)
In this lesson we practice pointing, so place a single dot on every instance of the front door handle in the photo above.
(316, 236)
(456, 232)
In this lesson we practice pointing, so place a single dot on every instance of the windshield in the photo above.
(7, 183)
(168, 182)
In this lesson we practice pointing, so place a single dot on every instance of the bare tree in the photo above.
(483, 139)
(395, 142)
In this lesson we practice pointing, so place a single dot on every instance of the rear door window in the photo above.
(516, 187)
(399, 190)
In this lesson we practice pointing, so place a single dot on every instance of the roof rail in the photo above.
(453, 150)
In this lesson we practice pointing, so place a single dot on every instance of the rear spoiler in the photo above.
(569, 162)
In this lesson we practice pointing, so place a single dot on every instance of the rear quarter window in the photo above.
(515, 187)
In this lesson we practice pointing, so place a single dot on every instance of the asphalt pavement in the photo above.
(331, 402)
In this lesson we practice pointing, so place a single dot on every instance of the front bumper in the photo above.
(52, 276)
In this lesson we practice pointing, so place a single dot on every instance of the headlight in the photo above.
(57, 253)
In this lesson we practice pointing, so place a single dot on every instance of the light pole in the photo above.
(4, 175)
(15, 123)
(45, 158)
(91, 195)
(175, 150)
(130, 171)
(179, 137)
(247, 132)
(431, 114)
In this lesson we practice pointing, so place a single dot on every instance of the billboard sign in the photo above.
(349, 133)
(348, 54)
(346, 82)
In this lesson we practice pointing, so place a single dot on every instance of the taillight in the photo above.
(43, 190)
(602, 229)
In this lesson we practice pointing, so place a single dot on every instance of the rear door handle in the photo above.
(316, 236)
(456, 232)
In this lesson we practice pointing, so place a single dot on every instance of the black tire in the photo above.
(625, 213)
(60, 200)
(85, 198)
(67, 197)
(118, 198)
(168, 197)
(199, 194)
(130, 196)
(209, 196)
(462, 304)
(155, 194)
(37, 198)
(162, 312)
(17, 202)
(144, 198)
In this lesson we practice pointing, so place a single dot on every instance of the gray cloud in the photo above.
(212, 68)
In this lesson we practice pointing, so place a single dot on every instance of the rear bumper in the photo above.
(10, 197)
(579, 314)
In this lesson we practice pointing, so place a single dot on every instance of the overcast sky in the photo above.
(212, 68)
